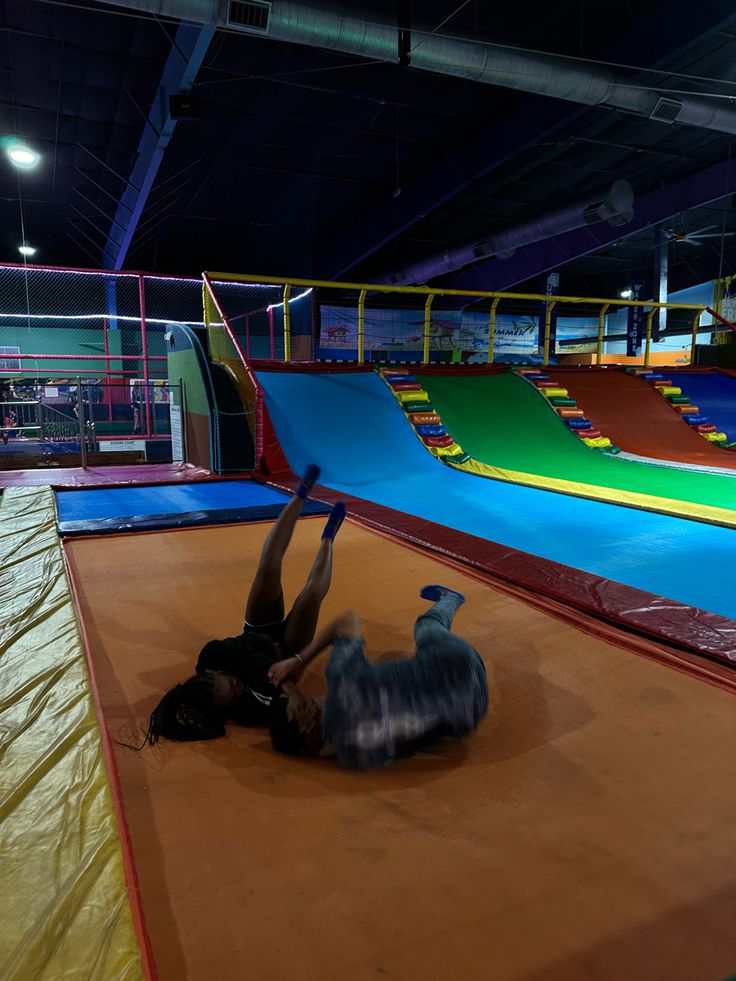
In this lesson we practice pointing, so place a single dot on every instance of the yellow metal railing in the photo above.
(600, 305)
(224, 350)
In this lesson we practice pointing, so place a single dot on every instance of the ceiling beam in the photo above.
(659, 38)
(188, 49)
(711, 184)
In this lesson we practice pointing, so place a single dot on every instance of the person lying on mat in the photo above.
(374, 713)
(231, 680)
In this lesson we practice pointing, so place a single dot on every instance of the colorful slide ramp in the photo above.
(353, 426)
(637, 418)
(502, 420)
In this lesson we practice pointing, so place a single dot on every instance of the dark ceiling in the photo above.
(306, 162)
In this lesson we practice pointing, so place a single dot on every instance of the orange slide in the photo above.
(635, 417)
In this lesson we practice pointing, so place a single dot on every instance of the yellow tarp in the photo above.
(64, 909)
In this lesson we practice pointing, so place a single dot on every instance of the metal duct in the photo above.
(478, 61)
(616, 207)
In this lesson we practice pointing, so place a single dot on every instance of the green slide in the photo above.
(501, 420)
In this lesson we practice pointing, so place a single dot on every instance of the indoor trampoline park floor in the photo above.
(586, 831)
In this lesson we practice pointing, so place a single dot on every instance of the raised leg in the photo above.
(435, 625)
(302, 622)
(266, 598)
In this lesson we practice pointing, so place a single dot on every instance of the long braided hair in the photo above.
(186, 713)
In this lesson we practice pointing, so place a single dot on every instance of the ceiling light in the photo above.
(26, 249)
(626, 294)
(22, 156)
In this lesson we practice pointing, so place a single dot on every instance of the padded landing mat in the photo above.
(142, 473)
(100, 511)
(637, 418)
(586, 831)
(64, 909)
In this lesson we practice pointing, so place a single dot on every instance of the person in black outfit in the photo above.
(231, 681)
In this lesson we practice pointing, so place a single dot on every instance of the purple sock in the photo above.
(311, 474)
(336, 518)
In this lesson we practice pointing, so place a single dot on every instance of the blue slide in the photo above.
(715, 396)
(351, 425)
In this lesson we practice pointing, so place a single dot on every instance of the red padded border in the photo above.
(684, 637)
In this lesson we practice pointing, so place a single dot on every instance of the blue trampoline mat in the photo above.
(173, 506)
(352, 426)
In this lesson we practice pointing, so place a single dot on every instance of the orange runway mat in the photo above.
(636, 417)
(586, 831)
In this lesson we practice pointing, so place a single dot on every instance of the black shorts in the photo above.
(273, 633)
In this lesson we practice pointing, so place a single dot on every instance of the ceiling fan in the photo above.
(696, 237)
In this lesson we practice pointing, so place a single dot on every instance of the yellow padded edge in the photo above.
(645, 502)
(64, 909)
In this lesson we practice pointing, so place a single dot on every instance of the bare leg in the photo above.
(266, 599)
(302, 622)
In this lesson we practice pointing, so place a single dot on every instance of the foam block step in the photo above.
(424, 418)
(445, 440)
(571, 413)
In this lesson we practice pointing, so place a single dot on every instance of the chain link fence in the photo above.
(65, 330)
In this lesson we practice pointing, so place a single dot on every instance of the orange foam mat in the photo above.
(587, 830)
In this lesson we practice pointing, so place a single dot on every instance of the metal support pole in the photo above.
(80, 413)
(39, 419)
(183, 416)
(361, 326)
(661, 263)
(693, 344)
(315, 323)
(601, 328)
(647, 348)
(247, 336)
(427, 325)
(551, 304)
(144, 351)
(270, 330)
(287, 324)
(108, 376)
(492, 328)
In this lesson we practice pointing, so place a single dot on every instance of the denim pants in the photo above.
(446, 657)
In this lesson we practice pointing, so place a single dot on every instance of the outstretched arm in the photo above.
(348, 624)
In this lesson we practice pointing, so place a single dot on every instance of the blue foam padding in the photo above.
(431, 430)
(112, 510)
(352, 426)
(715, 394)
